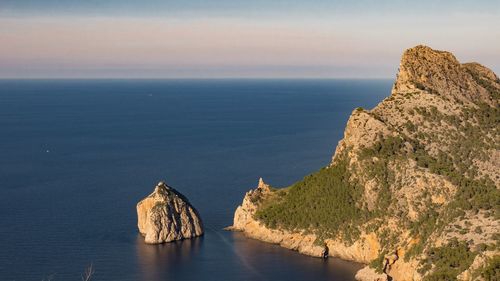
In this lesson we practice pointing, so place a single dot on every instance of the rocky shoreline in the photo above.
(362, 251)
(407, 158)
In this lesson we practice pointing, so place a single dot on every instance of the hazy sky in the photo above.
(233, 38)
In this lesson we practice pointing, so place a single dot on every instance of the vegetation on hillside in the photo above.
(325, 202)
(448, 143)
(491, 272)
(448, 261)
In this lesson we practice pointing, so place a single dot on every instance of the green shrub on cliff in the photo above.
(449, 260)
(324, 201)
(432, 166)
(491, 271)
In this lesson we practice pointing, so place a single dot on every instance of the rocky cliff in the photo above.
(413, 187)
(166, 215)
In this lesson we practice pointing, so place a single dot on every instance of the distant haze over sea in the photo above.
(237, 39)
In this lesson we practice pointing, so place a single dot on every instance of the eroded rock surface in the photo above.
(244, 221)
(166, 215)
(369, 274)
(424, 169)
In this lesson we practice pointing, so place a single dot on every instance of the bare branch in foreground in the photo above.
(87, 275)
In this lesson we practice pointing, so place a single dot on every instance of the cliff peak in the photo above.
(161, 187)
(413, 187)
(439, 72)
(262, 185)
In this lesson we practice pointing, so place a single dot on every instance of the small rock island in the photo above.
(166, 215)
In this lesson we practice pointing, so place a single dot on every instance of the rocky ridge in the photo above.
(413, 187)
(166, 215)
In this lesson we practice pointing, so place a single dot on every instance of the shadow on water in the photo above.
(158, 261)
(275, 262)
(223, 255)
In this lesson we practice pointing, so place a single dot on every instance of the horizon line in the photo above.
(196, 78)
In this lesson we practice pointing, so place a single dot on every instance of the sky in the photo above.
(237, 39)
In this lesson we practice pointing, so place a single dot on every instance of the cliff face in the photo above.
(413, 187)
(166, 215)
(244, 221)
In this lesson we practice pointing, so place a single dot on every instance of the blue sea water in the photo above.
(77, 155)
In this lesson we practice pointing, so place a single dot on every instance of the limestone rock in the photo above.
(480, 261)
(415, 154)
(363, 250)
(244, 221)
(369, 274)
(166, 215)
(440, 72)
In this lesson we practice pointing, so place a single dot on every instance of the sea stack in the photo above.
(166, 215)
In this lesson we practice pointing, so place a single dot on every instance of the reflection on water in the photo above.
(274, 262)
(222, 255)
(157, 261)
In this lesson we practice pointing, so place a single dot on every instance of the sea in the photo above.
(77, 155)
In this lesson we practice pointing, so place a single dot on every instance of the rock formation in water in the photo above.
(413, 189)
(166, 215)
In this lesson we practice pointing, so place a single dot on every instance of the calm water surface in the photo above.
(77, 155)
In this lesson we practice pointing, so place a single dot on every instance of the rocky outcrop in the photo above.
(477, 265)
(440, 72)
(166, 215)
(364, 250)
(244, 213)
(244, 221)
(369, 274)
(423, 165)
